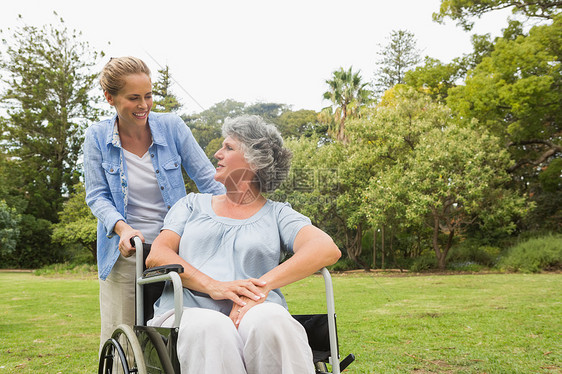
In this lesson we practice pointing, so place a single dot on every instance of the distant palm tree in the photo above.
(347, 92)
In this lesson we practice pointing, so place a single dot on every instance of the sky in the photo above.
(252, 50)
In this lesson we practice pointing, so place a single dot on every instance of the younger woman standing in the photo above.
(133, 175)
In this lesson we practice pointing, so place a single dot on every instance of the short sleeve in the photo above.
(290, 222)
(178, 215)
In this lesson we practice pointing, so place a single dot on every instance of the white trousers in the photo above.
(117, 297)
(268, 340)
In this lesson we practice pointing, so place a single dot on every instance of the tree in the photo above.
(437, 78)
(436, 173)
(515, 94)
(9, 230)
(463, 11)
(299, 123)
(434, 78)
(268, 111)
(165, 100)
(48, 79)
(348, 93)
(312, 186)
(326, 183)
(77, 224)
(396, 58)
(206, 125)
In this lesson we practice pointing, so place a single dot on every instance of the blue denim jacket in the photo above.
(105, 174)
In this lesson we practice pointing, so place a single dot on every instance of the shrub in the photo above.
(534, 255)
(66, 268)
(465, 266)
(343, 264)
(473, 252)
(34, 248)
(424, 262)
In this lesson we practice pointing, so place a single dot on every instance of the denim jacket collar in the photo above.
(155, 130)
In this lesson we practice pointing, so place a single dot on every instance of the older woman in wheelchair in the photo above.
(235, 318)
(221, 309)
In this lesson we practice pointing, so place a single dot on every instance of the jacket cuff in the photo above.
(110, 223)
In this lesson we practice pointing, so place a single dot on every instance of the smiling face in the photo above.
(232, 165)
(134, 101)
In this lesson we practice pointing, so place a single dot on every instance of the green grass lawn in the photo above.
(483, 323)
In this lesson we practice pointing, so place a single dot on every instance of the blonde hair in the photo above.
(113, 74)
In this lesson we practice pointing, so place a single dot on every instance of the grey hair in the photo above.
(263, 149)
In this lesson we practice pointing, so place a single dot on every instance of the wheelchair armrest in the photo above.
(159, 270)
(174, 278)
(155, 275)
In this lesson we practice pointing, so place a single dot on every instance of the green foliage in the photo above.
(514, 94)
(47, 78)
(423, 263)
(302, 122)
(77, 225)
(437, 78)
(473, 251)
(348, 94)
(164, 99)
(206, 126)
(9, 231)
(34, 248)
(396, 58)
(268, 111)
(547, 214)
(551, 177)
(343, 264)
(313, 186)
(534, 255)
(312, 181)
(432, 171)
(434, 77)
(424, 174)
(512, 89)
(464, 11)
(212, 148)
(67, 268)
(407, 166)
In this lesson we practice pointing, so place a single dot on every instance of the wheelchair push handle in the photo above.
(136, 242)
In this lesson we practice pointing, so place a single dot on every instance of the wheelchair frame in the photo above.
(125, 353)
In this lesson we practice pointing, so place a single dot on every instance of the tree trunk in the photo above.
(441, 254)
(354, 250)
(341, 130)
(93, 247)
(396, 266)
(374, 248)
(382, 247)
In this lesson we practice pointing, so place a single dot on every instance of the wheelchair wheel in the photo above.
(122, 354)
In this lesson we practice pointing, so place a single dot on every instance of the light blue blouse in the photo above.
(229, 249)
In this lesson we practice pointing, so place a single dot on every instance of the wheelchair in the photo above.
(143, 349)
